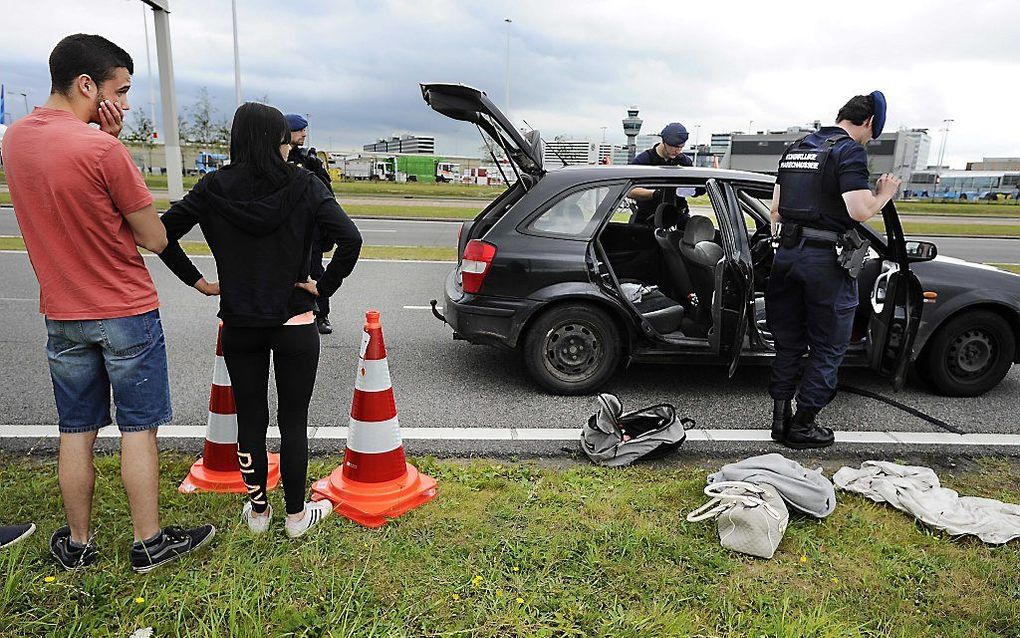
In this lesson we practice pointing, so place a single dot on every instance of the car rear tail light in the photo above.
(478, 256)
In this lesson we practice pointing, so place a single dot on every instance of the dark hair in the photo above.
(858, 109)
(256, 136)
(83, 54)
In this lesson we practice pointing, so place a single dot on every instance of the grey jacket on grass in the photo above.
(806, 491)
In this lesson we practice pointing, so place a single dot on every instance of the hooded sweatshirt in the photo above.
(261, 237)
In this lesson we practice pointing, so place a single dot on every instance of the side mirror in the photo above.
(921, 251)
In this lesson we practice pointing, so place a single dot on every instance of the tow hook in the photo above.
(435, 311)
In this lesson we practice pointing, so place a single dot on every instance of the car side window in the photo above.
(571, 214)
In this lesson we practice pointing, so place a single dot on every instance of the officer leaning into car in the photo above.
(667, 152)
(306, 158)
(820, 197)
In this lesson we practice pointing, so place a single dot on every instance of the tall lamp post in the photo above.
(24, 94)
(508, 22)
(237, 56)
(697, 136)
(942, 153)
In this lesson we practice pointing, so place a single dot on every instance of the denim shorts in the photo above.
(89, 358)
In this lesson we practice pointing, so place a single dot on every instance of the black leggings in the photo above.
(295, 360)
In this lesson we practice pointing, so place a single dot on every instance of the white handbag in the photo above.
(751, 518)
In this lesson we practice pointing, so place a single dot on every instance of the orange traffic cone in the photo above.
(375, 482)
(218, 469)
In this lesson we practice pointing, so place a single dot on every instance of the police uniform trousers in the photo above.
(809, 304)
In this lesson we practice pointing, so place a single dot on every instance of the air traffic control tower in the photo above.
(631, 128)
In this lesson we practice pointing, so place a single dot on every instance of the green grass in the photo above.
(512, 549)
(955, 230)
(1014, 268)
(1000, 209)
(428, 253)
(416, 189)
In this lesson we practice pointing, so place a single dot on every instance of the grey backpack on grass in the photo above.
(615, 439)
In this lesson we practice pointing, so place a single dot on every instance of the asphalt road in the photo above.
(376, 232)
(381, 232)
(442, 383)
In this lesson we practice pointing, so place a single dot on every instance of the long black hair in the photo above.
(256, 135)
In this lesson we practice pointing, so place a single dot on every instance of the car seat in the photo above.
(668, 237)
(700, 255)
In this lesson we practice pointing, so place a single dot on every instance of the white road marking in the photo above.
(378, 230)
(696, 436)
(417, 307)
(19, 299)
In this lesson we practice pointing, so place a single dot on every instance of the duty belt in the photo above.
(851, 248)
(819, 235)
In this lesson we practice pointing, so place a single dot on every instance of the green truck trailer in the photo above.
(426, 168)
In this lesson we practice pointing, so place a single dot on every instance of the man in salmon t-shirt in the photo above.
(83, 209)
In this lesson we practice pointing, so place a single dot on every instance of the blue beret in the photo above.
(675, 134)
(878, 123)
(296, 122)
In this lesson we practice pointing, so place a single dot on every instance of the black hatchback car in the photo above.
(561, 268)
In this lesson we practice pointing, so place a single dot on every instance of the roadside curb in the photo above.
(543, 441)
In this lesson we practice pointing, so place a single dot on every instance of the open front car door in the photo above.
(896, 301)
(733, 287)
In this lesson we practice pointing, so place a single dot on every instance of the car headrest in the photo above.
(699, 228)
(666, 215)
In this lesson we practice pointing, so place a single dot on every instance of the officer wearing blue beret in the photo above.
(820, 197)
(307, 158)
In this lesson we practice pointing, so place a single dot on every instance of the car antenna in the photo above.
(496, 161)
(555, 152)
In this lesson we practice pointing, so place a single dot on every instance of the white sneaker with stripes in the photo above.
(315, 512)
(258, 524)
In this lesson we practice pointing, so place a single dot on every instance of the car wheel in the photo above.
(970, 354)
(572, 349)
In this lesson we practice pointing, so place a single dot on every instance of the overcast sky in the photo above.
(575, 67)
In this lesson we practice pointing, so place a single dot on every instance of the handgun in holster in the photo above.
(852, 251)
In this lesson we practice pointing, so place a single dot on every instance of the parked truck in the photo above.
(206, 162)
(367, 168)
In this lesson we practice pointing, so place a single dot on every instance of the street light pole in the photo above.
(237, 57)
(749, 125)
(24, 94)
(152, 90)
(942, 152)
(508, 23)
(697, 137)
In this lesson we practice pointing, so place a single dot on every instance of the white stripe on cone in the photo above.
(221, 428)
(373, 438)
(220, 375)
(373, 376)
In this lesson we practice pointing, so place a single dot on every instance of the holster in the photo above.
(852, 251)
(789, 235)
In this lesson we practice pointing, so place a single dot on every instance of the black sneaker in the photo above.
(324, 326)
(71, 557)
(171, 544)
(14, 534)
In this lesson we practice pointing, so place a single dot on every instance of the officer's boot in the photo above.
(782, 413)
(804, 433)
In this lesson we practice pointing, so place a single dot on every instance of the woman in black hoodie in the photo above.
(258, 215)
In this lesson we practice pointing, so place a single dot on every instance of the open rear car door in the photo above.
(896, 302)
(733, 286)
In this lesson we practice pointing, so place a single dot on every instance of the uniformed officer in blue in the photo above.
(821, 196)
(667, 152)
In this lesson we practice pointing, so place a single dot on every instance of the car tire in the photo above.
(572, 349)
(969, 355)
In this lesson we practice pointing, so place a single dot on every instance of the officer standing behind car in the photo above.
(821, 196)
(306, 158)
(668, 152)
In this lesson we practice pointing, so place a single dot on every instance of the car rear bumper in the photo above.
(482, 319)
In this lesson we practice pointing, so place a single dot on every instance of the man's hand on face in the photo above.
(111, 118)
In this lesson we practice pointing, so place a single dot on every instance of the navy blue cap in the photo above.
(296, 122)
(675, 134)
(878, 123)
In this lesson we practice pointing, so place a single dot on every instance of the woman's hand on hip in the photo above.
(308, 286)
(209, 289)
